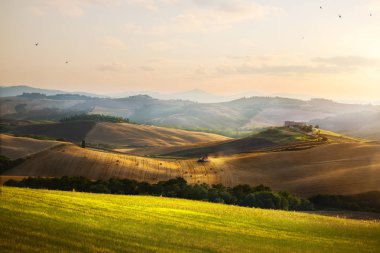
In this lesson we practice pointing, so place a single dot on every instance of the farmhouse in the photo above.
(294, 124)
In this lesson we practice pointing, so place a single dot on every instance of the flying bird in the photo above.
(340, 16)
(66, 62)
(36, 44)
(320, 7)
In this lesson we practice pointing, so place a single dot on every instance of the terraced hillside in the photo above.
(327, 169)
(52, 221)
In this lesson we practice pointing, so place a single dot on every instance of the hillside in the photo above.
(109, 223)
(363, 124)
(70, 160)
(344, 168)
(18, 147)
(271, 139)
(117, 134)
(123, 134)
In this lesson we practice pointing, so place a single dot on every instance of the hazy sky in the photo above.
(221, 46)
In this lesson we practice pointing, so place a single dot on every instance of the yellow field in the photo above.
(328, 169)
(54, 221)
(123, 134)
(17, 147)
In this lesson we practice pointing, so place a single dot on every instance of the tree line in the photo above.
(242, 195)
(368, 201)
(95, 117)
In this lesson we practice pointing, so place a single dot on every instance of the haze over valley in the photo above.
(190, 126)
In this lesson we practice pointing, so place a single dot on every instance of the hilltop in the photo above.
(111, 223)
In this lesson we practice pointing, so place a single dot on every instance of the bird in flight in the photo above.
(36, 44)
(340, 16)
(66, 62)
(320, 7)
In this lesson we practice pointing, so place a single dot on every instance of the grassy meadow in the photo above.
(54, 221)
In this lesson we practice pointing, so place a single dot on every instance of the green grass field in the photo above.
(53, 221)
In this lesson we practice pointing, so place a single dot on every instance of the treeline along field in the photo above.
(55, 221)
(243, 195)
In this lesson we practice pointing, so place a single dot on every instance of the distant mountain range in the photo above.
(11, 91)
(228, 118)
(195, 95)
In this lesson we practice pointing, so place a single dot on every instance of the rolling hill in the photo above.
(228, 118)
(118, 134)
(132, 135)
(341, 168)
(269, 140)
(364, 124)
(52, 221)
(18, 147)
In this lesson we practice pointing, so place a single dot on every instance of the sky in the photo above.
(220, 46)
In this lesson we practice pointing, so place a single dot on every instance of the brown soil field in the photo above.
(346, 168)
(71, 160)
(132, 135)
(18, 147)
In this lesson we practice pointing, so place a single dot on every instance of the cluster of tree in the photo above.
(242, 195)
(369, 202)
(95, 117)
(6, 163)
(20, 108)
(32, 95)
(306, 128)
(71, 97)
